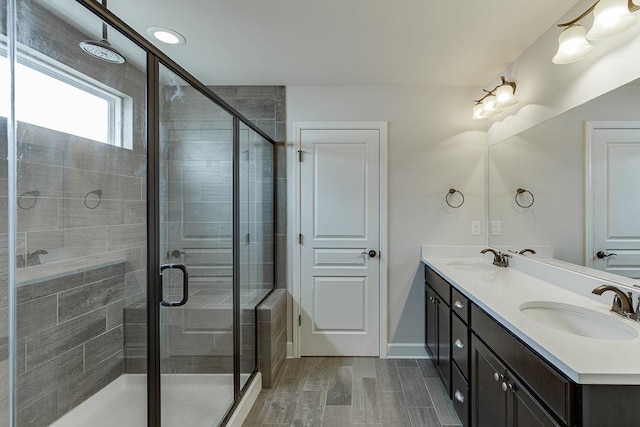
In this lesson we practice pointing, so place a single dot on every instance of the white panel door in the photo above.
(616, 201)
(340, 224)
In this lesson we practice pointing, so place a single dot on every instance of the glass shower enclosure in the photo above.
(136, 228)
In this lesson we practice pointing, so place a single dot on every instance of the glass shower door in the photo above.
(196, 250)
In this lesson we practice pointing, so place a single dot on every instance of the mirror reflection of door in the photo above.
(614, 228)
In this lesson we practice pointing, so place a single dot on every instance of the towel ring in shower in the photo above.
(97, 193)
(521, 191)
(451, 192)
(32, 193)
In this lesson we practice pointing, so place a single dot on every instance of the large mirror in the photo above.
(571, 185)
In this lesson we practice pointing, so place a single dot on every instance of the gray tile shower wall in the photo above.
(272, 330)
(82, 322)
(93, 255)
(198, 155)
(265, 106)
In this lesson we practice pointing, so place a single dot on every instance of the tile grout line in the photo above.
(404, 397)
(424, 380)
(434, 406)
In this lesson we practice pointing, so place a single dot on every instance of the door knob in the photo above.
(371, 253)
(175, 253)
(603, 254)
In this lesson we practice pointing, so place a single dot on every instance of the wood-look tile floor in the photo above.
(354, 391)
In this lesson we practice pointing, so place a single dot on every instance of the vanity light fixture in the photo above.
(166, 35)
(572, 45)
(610, 17)
(494, 100)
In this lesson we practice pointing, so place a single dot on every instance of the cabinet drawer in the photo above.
(460, 305)
(441, 286)
(460, 345)
(550, 386)
(460, 396)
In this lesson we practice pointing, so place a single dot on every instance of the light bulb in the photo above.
(572, 45)
(478, 111)
(490, 106)
(610, 17)
(166, 35)
(504, 96)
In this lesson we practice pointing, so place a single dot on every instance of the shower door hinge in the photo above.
(300, 156)
(300, 238)
(299, 320)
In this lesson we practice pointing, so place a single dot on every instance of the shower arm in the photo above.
(104, 24)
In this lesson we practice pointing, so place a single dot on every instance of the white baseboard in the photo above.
(406, 351)
(289, 349)
(247, 402)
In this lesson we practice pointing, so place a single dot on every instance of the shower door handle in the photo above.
(185, 285)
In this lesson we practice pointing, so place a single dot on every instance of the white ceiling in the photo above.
(346, 42)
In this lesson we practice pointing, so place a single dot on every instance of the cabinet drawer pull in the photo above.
(498, 377)
(505, 387)
(458, 343)
(459, 396)
(458, 304)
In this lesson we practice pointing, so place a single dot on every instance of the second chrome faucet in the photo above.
(499, 258)
(622, 303)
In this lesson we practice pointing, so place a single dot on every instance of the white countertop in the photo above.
(501, 291)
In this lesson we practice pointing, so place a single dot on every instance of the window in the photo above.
(51, 95)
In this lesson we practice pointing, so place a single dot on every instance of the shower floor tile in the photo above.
(189, 400)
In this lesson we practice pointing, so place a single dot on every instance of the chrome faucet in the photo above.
(524, 251)
(499, 258)
(622, 303)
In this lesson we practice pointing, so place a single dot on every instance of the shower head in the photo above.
(102, 49)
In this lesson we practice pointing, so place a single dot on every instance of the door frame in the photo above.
(590, 128)
(294, 224)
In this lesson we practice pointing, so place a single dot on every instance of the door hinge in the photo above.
(300, 155)
(300, 238)
(299, 320)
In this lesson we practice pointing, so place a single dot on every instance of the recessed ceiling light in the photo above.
(166, 35)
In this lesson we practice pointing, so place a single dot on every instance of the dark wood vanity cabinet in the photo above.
(500, 399)
(494, 379)
(437, 335)
(473, 375)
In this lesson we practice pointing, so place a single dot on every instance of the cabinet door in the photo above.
(524, 410)
(431, 324)
(444, 345)
(489, 405)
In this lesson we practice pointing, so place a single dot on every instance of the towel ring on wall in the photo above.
(450, 194)
(97, 193)
(34, 194)
(520, 192)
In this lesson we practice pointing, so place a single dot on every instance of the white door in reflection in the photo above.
(613, 242)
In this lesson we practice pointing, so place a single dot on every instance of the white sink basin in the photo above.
(471, 265)
(578, 320)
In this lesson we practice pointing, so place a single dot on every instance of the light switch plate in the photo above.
(476, 228)
(496, 228)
